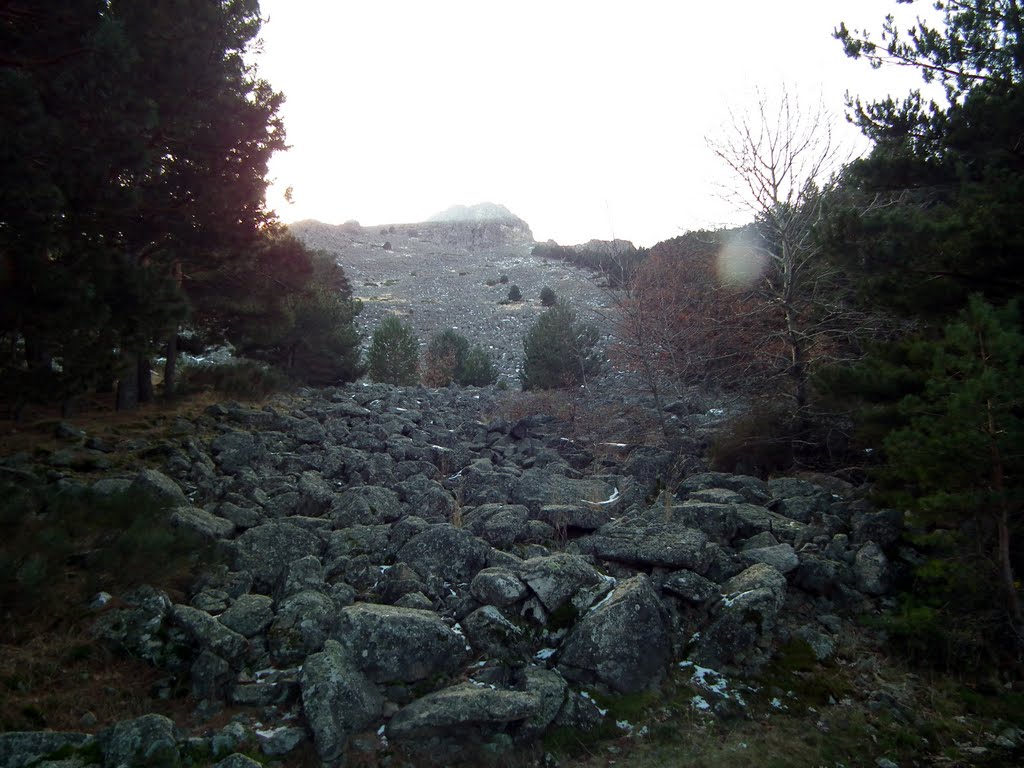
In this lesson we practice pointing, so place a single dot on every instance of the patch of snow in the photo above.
(270, 733)
(728, 600)
(545, 653)
(700, 703)
(610, 500)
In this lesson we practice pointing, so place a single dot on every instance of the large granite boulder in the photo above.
(464, 711)
(393, 644)
(741, 631)
(337, 699)
(446, 553)
(646, 544)
(623, 644)
(266, 550)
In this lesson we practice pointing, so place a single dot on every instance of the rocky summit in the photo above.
(414, 572)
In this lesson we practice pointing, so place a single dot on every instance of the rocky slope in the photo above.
(409, 572)
(447, 273)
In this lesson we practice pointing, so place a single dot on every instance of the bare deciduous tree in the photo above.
(784, 162)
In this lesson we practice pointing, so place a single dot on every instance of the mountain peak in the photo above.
(474, 213)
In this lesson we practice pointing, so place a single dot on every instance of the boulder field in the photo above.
(401, 571)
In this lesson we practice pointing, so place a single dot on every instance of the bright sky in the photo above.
(585, 118)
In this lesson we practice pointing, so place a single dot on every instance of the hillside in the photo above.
(453, 271)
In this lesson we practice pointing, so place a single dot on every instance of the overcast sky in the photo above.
(586, 119)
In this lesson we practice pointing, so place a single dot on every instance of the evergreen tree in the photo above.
(138, 138)
(962, 453)
(936, 209)
(548, 297)
(449, 358)
(515, 293)
(394, 353)
(477, 369)
(445, 357)
(560, 351)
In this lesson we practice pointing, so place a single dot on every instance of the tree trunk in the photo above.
(145, 373)
(1006, 573)
(127, 396)
(171, 367)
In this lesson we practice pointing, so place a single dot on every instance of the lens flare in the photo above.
(739, 264)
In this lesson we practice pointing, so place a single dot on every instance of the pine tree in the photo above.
(560, 351)
(394, 353)
(962, 452)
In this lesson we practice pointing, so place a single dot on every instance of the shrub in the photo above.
(548, 297)
(477, 370)
(515, 294)
(449, 358)
(394, 353)
(560, 351)
(245, 379)
(446, 353)
(503, 279)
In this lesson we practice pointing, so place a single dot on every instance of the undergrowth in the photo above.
(59, 546)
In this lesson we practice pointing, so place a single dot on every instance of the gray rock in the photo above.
(819, 575)
(781, 557)
(237, 761)
(497, 586)
(690, 586)
(249, 615)
(209, 634)
(365, 505)
(303, 623)
(740, 633)
(306, 573)
(649, 544)
(556, 579)
(265, 551)
(539, 487)
(717, 520)
(491, 634)
(211, 676)
(200, 521)
(19, 749)
(622, 644)
(393, 644)
(575, 517)
(461, 710)
(149, 741)
(552, 692)
(426, 498)
(871, 570)
(752, 520)
(500, 525)
(280, 740)
(158, 488)
(446, 553)
(235, 451)
(754, 490)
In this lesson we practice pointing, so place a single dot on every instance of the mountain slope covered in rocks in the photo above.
(454, 271)
(418, 572)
